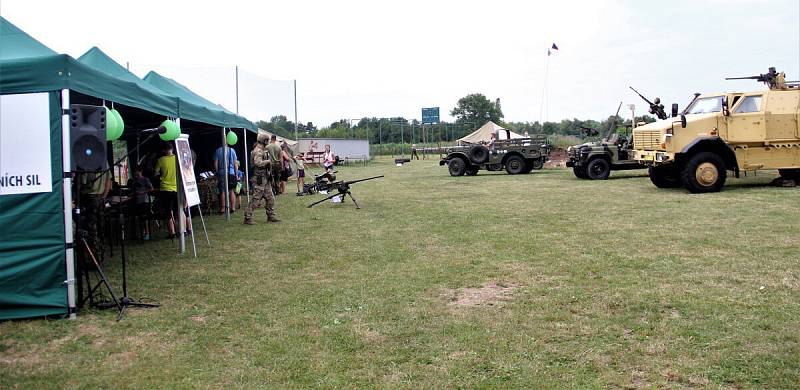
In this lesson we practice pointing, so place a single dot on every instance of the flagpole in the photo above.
(544, 87)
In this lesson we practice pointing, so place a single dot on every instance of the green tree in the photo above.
(476, 108)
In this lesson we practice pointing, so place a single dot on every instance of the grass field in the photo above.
(541, 280)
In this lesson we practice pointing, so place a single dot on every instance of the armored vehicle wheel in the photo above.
(536, 163)
(598, 169)
(579, 172)
(791, 174)
(478, 154)
(457, 166)
(705, 172)
(472, 171)
(664, 177)
(494, 167)
(515, 165)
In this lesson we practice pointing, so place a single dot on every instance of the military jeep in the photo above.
(596, 160)
(516, 156)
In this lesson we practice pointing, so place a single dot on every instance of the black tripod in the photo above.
(103, 280)
(126, 301)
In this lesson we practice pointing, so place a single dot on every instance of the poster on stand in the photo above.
(186, 166)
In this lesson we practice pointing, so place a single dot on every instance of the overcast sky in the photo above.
(354, 59)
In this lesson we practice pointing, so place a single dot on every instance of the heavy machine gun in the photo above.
(343, 188)
(773, 79)
(589, 131)
(612, 127)
(656, 108)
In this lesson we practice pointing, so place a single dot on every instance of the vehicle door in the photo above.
(746, 121)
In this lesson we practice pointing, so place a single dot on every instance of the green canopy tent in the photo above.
(227, 120)
(37, 267)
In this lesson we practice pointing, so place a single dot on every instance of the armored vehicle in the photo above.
(721, 132)
(517, 155)
(596, 160)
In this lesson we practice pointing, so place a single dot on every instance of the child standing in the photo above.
(301, 173)
(142, 188)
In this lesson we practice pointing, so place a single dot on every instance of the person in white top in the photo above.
(328, 159)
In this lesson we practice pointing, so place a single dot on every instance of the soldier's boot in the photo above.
(249, 221)
(273, 218)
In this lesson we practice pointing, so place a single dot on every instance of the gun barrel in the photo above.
(369, 178)
(744, 78)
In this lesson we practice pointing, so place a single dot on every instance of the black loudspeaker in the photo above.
(88, 137)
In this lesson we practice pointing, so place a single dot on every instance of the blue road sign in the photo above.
(430, 115)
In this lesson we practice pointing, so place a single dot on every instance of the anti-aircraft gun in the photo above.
(773, 79)
(656, 108)
(595, 160)
(343, 188)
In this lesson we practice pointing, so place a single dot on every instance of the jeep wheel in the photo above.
(663, 177)
(537, 163)
(494, 167)
(457, 166)
(598, 169)
(705, 172)
(579, 172)
(472, 170)
(515, 165)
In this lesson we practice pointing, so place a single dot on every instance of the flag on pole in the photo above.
(553, 47)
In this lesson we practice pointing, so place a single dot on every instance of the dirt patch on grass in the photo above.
(558, 158)
(490, 294)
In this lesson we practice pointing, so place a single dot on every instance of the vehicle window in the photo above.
(705, 105)
(749, 104)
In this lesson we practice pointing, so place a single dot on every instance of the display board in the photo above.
(24, 144)
(186, 166)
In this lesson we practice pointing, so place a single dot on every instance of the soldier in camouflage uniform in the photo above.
(262, 178)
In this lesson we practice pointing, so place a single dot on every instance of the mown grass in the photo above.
(619, 284)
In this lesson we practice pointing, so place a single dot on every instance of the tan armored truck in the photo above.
(723, 132)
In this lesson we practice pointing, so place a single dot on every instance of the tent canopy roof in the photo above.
(484, 134)
(28, 66)
(18, 44)
(199, 109)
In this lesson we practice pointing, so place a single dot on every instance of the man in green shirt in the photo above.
(274, 152)
(167, 170)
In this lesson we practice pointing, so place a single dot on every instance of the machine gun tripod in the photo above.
(343, 188)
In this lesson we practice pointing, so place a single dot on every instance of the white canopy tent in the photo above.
(484, 134)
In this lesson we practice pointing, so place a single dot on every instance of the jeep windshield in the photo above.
(705, 105)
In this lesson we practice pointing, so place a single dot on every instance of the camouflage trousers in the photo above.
(93, 215)
(262, 195)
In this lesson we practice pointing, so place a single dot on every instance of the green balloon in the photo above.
(173, 131)
(232, 138)
(112, 126)
(119, 119)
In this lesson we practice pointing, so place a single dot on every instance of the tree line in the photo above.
(471, 112)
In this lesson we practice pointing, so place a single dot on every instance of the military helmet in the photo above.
(263, 138)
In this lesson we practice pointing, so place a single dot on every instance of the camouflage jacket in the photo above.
(261, 161)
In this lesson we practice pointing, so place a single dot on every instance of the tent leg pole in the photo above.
(66, 192)
(225, 175)
(180, 227)
(246, 168)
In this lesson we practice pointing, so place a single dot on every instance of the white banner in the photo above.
(186, 165)
(25, 144)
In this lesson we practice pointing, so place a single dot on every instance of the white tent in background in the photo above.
(484, 134)
(293, 145)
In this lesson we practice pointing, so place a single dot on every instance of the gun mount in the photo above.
(343, 188)
(773, 79)
(656, 108)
